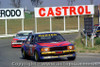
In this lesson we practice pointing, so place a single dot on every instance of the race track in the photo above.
(11, 57)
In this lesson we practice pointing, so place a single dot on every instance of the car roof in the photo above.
(46, 33)
(26, 31)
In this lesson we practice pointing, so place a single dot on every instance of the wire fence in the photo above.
(15, 25)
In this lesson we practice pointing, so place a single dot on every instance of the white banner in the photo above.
(11, 13)
(64, 11)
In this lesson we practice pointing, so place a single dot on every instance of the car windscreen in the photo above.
(22, 34)
(42, 38)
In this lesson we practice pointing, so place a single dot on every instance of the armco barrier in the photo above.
(8, 35)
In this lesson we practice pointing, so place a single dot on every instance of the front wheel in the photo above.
(72, 58)
(36, 56)
(24, 55)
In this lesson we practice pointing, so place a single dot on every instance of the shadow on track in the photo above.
(48, 60)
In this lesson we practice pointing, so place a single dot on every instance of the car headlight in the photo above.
(70, 47)
(14, 41)
(45, 49)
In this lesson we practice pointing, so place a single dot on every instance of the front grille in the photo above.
(58, 48)
(20, 41)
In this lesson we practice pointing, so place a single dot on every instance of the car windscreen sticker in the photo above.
(46, 35)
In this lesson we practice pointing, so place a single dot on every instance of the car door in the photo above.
(27, 43)
(32, 46)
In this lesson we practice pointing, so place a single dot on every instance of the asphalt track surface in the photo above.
(11, 57)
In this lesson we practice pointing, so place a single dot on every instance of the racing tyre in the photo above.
(72, 58)
(36, 56)
(24, 55)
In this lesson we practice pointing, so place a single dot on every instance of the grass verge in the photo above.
(81, 47)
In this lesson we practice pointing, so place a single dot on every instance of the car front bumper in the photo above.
(58, 54)
(16, 44)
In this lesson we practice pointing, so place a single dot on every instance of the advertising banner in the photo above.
(64, 11)
(11, 13)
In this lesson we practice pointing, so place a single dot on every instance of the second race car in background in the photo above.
(20, 37)
(96, 31)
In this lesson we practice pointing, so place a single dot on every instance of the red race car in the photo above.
(47, 46)
(20, 38)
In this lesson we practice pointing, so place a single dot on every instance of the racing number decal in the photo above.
(31, 49)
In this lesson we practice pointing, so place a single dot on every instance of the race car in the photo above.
(96, 25)
(47, 46)
(20, 37)
(97, 32)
